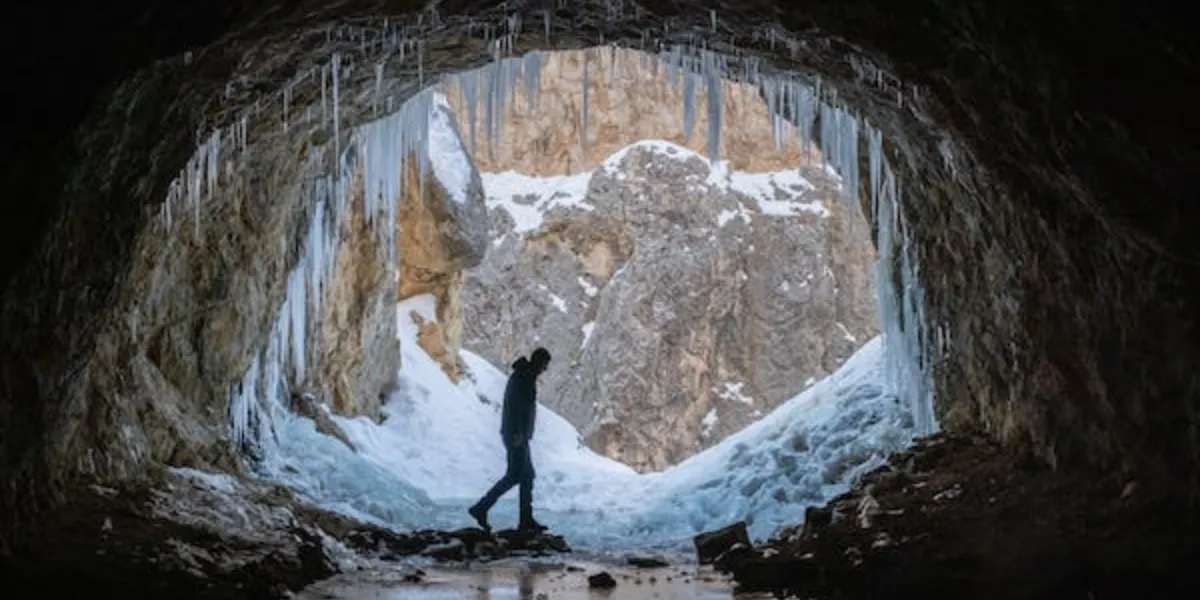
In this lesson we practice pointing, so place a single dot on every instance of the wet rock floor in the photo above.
(526, 579)
(955, 517)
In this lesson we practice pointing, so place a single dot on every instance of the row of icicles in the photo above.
(379, 147)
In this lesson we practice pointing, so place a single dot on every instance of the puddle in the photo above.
(522, 579)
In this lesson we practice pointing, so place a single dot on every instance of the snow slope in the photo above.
(442, 439)
(438, 448)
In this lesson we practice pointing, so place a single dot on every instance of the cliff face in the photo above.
(680, 304)
(625, 222)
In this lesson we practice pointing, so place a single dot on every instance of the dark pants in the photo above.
(519, 472)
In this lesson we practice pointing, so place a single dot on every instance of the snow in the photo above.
(588, 288)
(727, 215)
(709, 421)
(733, 391)
(587, 333)
(220, 482)
(527, 199)
(438, 449)
(846, 335)
(450, 161)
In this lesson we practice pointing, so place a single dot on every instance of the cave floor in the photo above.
(526, 579)
(954, 517)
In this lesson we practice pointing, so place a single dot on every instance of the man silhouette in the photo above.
(516, 428)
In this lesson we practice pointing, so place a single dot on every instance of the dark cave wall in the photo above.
(1060, 259)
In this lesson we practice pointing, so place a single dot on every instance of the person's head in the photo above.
(540, 359)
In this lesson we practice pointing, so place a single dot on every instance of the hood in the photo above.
(522, 365)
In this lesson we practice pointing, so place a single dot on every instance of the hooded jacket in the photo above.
(520, 402)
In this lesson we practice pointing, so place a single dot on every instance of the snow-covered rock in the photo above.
(681, 300)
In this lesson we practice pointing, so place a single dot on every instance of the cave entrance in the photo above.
(820, 158)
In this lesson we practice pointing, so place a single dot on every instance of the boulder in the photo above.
(712, 544)
(601, 581)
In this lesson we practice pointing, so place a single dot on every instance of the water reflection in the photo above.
(527, 581)
(525, 585)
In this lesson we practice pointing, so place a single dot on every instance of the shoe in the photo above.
(480, 516)
(532, 526)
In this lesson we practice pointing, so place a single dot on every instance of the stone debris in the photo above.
(601, 581)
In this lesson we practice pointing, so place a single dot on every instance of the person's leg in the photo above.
(512, 476)
(526, 481)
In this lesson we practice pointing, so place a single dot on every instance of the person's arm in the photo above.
(530, 416)
(523, 404)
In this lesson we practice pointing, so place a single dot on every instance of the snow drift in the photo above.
(438, 449)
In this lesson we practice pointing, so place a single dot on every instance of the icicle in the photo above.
(770, 88)
(583, 136)
(337, 120)
(874, 165)
(378, 86)
(899, 291)
(689, 103)
(296, 301)
(512, 73)
(324, 85)
(421, 63)
(469, 85)
(715, 105)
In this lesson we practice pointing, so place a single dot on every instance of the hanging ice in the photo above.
(583, 137)
(715, 105)
(383, 148)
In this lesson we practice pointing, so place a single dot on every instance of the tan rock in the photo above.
(359, 359)
(628, 100)
(439, 236)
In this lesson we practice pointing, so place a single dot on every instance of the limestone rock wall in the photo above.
(358, 351)
(439, 236)
(679, 306)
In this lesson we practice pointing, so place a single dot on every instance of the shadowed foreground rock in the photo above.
(710, 545)
(189, 535)
(954, 518)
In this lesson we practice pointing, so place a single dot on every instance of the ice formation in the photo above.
(439, 447)
(812, 111)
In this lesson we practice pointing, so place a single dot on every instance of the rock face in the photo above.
(680, 304)
(441, 232)
(358, 356)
